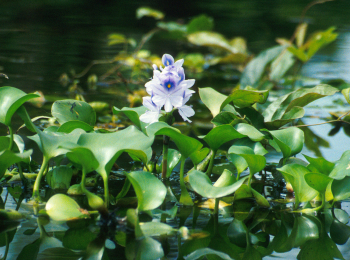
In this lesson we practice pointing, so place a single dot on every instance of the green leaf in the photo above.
(108, 147)
(116, 38)
(49, 142)
(146, 11)
(133, 114)
(290, 140)
(320, 39)
(69, 126)
(156, 229)
(200, 23)
(173, 159)
(172, 26)
(210, 39)
(144, 249)
(10, 100)
(70, 109)
(212, 99)
(78, 238)
(220, 135)
(207, 252)
(201, 184)
(8, 158)
(59, 177)
(340, 189)
(281, 65)
(185, 144)
(60, 207)
(226, 118)
(149, 190)
(321, 164)
(279, 109)
(342, 167)
(226, 178)
(346, 94)
(256, 67)
(339, 232)
(260, 199)
(250, 131)
(294, 173)
(200, 155)
(317, 181)
(245, 98)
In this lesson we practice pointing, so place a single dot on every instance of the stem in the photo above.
(106, 190)
(211, 164)
(11, 137)
(23, 179)
(250, 180)
(165, 155)
(323, 197)
(36, 195)
(185, 197)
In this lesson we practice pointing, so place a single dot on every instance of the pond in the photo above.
(225, 193)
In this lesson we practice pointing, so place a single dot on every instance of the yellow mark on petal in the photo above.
(167, 63)
(169, 86)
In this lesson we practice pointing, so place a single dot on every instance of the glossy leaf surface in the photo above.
(70, 109)
(149, 190)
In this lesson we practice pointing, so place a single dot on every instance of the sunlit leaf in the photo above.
(172, 26)
(156, 229)
(346, 94)
(294, 173)
(173, 159)
(116, 38)
(321, 164)
(281, 109)
(320, 39)
(212, 99)
(149, 190)
(210, 39)
(186, 145)
(146, 11)
(133, 114)
(60, 207)
(244, 98)
(201, 184)
(290, 140)
(70, 109)
(200, 155)
(342, 167)
(317, 181)
(10, 100)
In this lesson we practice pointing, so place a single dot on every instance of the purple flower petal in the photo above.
(167, 60)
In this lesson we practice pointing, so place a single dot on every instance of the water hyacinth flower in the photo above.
(169, 89)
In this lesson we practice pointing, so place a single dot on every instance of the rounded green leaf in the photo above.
(149, 190)
(290, 140)
(342, 167)
(78, 238)
(146, 11)
(10, 100)
(60, 207)
(200, 155)
(339, 232)
(200, 23)
(210, 39)
(220, 135)
(70, 109)
(317, 181)
(199, 253)
(201, 184)
(320, 164)
(212, 99)
(185, 144)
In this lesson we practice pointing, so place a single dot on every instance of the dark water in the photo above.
(41, 40)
